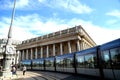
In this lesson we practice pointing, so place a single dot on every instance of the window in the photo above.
(106, 59)
(58, 62)
(115, 57)
(89, 61)
(41, 63)
(34, 64)
(52, 63)
(80, 61)
(27, 63)
(49, 63)
(69, 62)
(37, 63)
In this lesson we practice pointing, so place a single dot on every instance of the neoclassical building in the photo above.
(56, 43)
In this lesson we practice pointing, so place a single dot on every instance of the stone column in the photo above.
(36, 52)
(61, 49)
(47, 51)
(85, 45)
(53, 49)
(18, 57)
(69, 47)
(82, 43)
(41, 49)
(23, 55)
(27, 54)
(78, 45)
(31, 54)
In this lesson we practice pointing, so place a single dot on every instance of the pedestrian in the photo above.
(13, 70)
(24, 69)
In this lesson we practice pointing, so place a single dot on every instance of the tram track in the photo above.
(40, 78)
(53, 77)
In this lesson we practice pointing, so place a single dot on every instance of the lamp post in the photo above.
(9, 50)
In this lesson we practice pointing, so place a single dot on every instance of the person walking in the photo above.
(13, 70)
(24, 69)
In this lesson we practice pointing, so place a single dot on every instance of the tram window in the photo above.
(106, 59)
(65, 62)
(34, 64)
(52, 63)
(69, 62)
(49, 63)
(41, 63)
(80, 61)
(89, 61)
(115, 56)
(62, 62)
(58, 62)
(37, 63)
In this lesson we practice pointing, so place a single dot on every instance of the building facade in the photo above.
(57, 43)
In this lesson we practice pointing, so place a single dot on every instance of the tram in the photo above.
(101, 61)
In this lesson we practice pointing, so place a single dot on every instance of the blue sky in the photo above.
(100, 18)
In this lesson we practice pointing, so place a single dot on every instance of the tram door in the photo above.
(111, 63)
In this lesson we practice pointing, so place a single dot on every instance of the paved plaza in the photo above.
(41, 75)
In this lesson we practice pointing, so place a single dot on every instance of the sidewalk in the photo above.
(18, 76)
(42, 75)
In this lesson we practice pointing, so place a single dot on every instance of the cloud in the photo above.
(18, 33)
(22, 3)
(23, 26)
(115, 13)
(74, 6)
(26, 27)
(5, 4)
(78, 7)
(112, 22)
(100, 34)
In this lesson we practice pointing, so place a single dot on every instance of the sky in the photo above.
(33, 18)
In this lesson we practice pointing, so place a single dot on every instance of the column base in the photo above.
(5, 73)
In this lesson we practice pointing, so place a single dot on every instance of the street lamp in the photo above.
(9, 50)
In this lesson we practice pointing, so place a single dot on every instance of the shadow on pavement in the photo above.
(76, 77)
